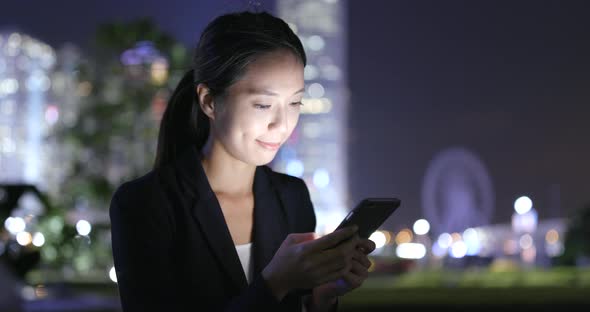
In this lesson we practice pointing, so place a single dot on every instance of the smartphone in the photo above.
(370, 214)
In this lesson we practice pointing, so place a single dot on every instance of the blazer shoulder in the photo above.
(146, 192)
(146, 186)
(136, 188)
(142, 201)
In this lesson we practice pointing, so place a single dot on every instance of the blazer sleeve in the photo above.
(309, 221)
(308, 213)
(142, 244)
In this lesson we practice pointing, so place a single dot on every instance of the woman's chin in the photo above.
(265, 158)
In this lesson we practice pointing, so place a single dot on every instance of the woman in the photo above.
(211, 227)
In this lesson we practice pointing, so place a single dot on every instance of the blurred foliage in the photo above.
(577, 238)
(486, 278)
(113, 138)
(116, 128)
(457, 288)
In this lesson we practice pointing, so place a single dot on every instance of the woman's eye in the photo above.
(261, 106)
(297, 103)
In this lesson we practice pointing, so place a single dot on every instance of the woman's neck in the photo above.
(226, 175)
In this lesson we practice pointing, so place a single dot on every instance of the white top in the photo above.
(244, 252)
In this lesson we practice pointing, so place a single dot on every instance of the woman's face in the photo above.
(261, 110)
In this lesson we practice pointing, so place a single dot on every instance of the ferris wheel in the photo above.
(457, 191)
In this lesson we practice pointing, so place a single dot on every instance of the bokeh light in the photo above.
(421, 227)
(38, 239)
(24, 238)
(404, 236)
(113, 274)
(525, 241)
(458, 249)
(51, 114)
(316, 90)
(552, 236)
(529, 255)
(445, 240)
(410, 251)
(379, 238)
(321, 178)
(471, 239)
(15, 225)
(438, 250)
(523, 204)
(295, 168)
(83, 227)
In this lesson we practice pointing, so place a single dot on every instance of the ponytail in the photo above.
(183, 125)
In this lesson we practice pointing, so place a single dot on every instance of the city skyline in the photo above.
(506, 81)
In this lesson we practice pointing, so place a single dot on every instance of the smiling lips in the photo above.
(269, 146)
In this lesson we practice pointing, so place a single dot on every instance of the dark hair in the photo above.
(227, 45)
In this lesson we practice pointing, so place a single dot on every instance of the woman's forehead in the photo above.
(272, 75)
(275, 63)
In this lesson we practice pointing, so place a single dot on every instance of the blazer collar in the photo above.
(269, 228)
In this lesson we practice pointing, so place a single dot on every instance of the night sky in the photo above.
(508, 80)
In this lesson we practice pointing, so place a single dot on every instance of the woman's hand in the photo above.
(305, 262)
(326, 294)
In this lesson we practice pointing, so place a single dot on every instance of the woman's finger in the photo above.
(359, 270)
(357, 275)
(326, 266)
(331, 240)
(331, 257)
(334, 275)
(362, 258)
(353, 280)
(366, 246)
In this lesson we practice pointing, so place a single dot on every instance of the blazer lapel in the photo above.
(270, 223)
(270, 226)
(207, 212)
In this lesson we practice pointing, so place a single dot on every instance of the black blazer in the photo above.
(172, 248)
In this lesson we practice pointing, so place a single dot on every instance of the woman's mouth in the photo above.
(269, 145)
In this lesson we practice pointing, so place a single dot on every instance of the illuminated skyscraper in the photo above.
(25, 66)
(37, 90)
(316, 150)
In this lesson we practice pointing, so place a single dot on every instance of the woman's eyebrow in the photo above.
(254, 91)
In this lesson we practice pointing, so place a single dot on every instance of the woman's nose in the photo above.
(280, 121)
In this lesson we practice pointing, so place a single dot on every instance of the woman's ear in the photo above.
(206, 101)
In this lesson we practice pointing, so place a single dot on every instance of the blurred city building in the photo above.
(316, 151)
(25, 68)
(522, 243)
(37, 91)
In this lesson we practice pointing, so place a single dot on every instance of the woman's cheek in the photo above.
(293, 120)
(255, 123)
